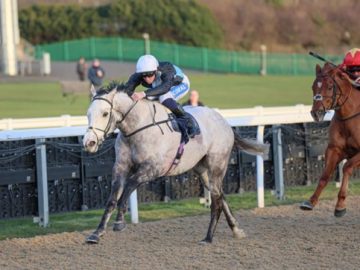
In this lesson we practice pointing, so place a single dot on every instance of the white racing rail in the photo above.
(236, 117)
(66, 126)
(43, 122)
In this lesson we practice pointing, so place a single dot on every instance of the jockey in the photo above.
(165, 82)
(351, 63)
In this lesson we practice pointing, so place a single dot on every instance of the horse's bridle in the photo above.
(107, 128)
(319, 97)
(336, 89)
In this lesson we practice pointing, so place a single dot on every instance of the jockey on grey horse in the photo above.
(147, 148)
(165, 82)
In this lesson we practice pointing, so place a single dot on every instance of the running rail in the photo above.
(69, 126)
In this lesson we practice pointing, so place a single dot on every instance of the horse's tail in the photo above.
(251, 146)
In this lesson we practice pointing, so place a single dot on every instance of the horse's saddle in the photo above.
(187, 126)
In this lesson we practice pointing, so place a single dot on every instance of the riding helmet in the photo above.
(147, 63)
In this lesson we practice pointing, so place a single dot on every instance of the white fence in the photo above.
(236, 117)
(45, 122)
(65, 126)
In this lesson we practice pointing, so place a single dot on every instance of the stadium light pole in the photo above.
(9, 36)
(146, 37)
(263, 60)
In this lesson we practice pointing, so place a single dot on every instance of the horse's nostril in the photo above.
(91, 143)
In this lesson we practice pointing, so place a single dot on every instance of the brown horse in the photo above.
(334, 90)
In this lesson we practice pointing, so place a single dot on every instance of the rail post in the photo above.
(278, 162)
(134, 207)
(260, 169)
(42, 182)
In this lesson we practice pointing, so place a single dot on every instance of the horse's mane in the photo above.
(119, 86)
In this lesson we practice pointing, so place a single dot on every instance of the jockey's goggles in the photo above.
(148, 74)
(354, 69)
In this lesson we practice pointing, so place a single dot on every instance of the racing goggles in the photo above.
(148, 74)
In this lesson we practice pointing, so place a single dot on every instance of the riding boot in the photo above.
(185, 125)
(180, 113)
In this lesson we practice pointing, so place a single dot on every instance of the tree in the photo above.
(182, 21)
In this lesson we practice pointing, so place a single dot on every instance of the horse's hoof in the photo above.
(205, 242)
(306, 206)
(340, 213)
(119, 226)
(92, 239)
(238, 233)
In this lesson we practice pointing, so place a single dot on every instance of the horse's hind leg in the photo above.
(216, 200)
(233, 224)
(216, 209)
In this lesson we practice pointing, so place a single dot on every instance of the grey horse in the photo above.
(147, 145)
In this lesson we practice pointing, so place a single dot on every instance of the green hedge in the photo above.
(181, 21)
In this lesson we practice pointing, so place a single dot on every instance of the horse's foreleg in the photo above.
(120, 223)
(143, 174)
(350, 165)
(116, 191)
(332, 158)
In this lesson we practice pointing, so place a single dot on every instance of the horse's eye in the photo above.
(105, 114)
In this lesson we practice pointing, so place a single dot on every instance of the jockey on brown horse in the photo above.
(351, 63)
(336, 88)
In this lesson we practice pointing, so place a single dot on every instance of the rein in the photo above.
(154, 123)
(339, 106)
(147, 126)
(107, 128)
(347, 118)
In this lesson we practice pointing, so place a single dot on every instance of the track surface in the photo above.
(277, 238)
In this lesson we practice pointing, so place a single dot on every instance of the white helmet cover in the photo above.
(146, 63)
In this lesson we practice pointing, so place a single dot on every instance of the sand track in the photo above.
(277, 238)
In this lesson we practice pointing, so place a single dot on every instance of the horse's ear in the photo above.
(318, 69)
(112, 93)
(93, 90)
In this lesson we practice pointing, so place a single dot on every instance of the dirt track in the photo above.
(277, 238)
